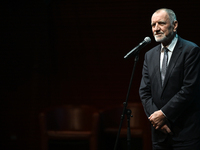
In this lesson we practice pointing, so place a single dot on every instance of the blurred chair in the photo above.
(69, 123)
(139, 124)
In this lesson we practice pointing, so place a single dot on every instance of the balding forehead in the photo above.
(161, 11)
(170, 13)
(160, 16)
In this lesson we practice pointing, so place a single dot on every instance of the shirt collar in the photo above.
(172, 44)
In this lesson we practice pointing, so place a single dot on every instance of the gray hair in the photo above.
(172, 15)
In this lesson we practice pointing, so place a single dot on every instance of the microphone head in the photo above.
(147, 39)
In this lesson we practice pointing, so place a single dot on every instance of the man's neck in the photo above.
(167, 43)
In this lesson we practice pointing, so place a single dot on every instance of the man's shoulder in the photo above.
(185, 42)
(154, 49)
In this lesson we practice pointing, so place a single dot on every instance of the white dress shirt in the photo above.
(170, 47)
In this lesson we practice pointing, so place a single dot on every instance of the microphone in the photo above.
(134, 51)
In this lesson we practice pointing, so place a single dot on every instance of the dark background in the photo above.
(60, 52)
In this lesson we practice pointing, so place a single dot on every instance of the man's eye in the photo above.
(162, 23)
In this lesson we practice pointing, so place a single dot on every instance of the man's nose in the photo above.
(157, 27)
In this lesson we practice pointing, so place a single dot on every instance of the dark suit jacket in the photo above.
(179, 98)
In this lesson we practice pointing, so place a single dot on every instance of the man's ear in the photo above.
(175, 26)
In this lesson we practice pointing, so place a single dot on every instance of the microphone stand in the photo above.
(127, 111)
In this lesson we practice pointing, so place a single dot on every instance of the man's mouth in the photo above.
(158, 34)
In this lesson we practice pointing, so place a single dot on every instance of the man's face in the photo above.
(162, 28)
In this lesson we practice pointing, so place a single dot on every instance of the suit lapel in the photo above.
(157, 66)
(176, 53)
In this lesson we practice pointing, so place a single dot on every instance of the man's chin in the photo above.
(159, 39)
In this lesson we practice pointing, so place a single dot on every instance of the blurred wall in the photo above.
(60, 52)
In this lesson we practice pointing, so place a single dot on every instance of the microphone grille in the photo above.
(147, 39)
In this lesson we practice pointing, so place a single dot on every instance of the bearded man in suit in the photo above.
(170, 86)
